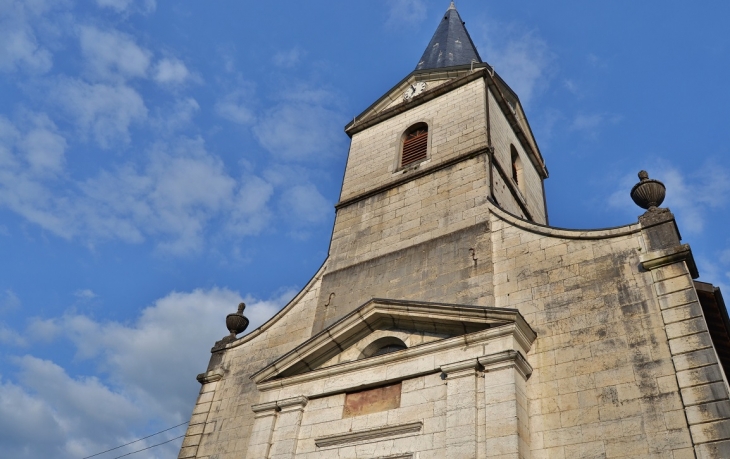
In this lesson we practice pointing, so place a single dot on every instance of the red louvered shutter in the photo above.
(415, 147)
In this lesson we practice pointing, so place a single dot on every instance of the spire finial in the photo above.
(452, 6)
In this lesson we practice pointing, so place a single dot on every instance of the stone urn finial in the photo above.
(237, 322)
(648, 193)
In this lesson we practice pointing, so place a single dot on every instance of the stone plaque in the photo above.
(372, 400)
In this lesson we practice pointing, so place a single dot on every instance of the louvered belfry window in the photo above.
(415, 145)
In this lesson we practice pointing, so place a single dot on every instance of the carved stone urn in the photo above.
(237, 322)
(648, 193)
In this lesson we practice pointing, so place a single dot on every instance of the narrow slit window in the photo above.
(517, 171)
(415, 145)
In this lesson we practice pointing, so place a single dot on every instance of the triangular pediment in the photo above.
(440, 321)
(435, 81)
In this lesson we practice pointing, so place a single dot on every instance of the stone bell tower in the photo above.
(449, 320)
(424, 161)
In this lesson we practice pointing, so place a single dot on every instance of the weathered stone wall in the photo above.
(623, 365)
(457, 125)
(604, 384)
(422, 400)
(222, 418)
(438, 270)
(428, 207)
(502, 137)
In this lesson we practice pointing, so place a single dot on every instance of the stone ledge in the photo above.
(188, 452)
(699, 395)
(463, 368)
(294, 402)
(717, 450)
(506, 359)
(209, 377)
(708, 412)
(369, 434)
(665, 257)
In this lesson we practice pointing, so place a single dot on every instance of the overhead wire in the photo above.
(149, 447)
(138, 440)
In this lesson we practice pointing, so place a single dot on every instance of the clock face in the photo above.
(414, 90)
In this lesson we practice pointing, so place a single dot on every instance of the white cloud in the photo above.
(124, 6)
(111, 53)
(43, 147)
(141, 391)
(85, 294)
(521, 57)
(171, 71)
(9, 336)
(176, 117)
(249, 213)
(235, 106)
(102, 111)
(590, 124)
(289, 58)
(9, 301)
(173, 195)
(304, 204)
(78, 417)
(691, 195)
(295, 131)
(406, 12)
(19, 46)
(596, 61)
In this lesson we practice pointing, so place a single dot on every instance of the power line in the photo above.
(149, 447)
(135, 441)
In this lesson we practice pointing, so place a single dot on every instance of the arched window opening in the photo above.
(388, 348)
(383, 346)
(415, 144)
(517, 170)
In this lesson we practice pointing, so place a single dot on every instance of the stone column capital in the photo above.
(265, 409)
(294, 403)
(506, 359)
(664, 257)
(460, 369)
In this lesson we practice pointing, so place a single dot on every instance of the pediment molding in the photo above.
(465, 323)
(362, 436)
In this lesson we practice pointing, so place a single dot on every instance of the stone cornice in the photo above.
(210, 376)
(410, 176)
(265, 409)
(404, 355)
(458, 369)
(341, 440)
(378, 312)
(294, 402)
(664, 257)
(506, 359)
(563, 233)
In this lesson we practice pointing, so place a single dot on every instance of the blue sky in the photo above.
(162, 161)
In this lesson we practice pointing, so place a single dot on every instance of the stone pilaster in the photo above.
(263, 430)
(198, 425)
(703, 391)
(286, 432)
(507, 423)
(461, 409)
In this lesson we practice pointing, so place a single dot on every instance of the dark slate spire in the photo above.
(451, 45)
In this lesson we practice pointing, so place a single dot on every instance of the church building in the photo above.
(450, 320)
